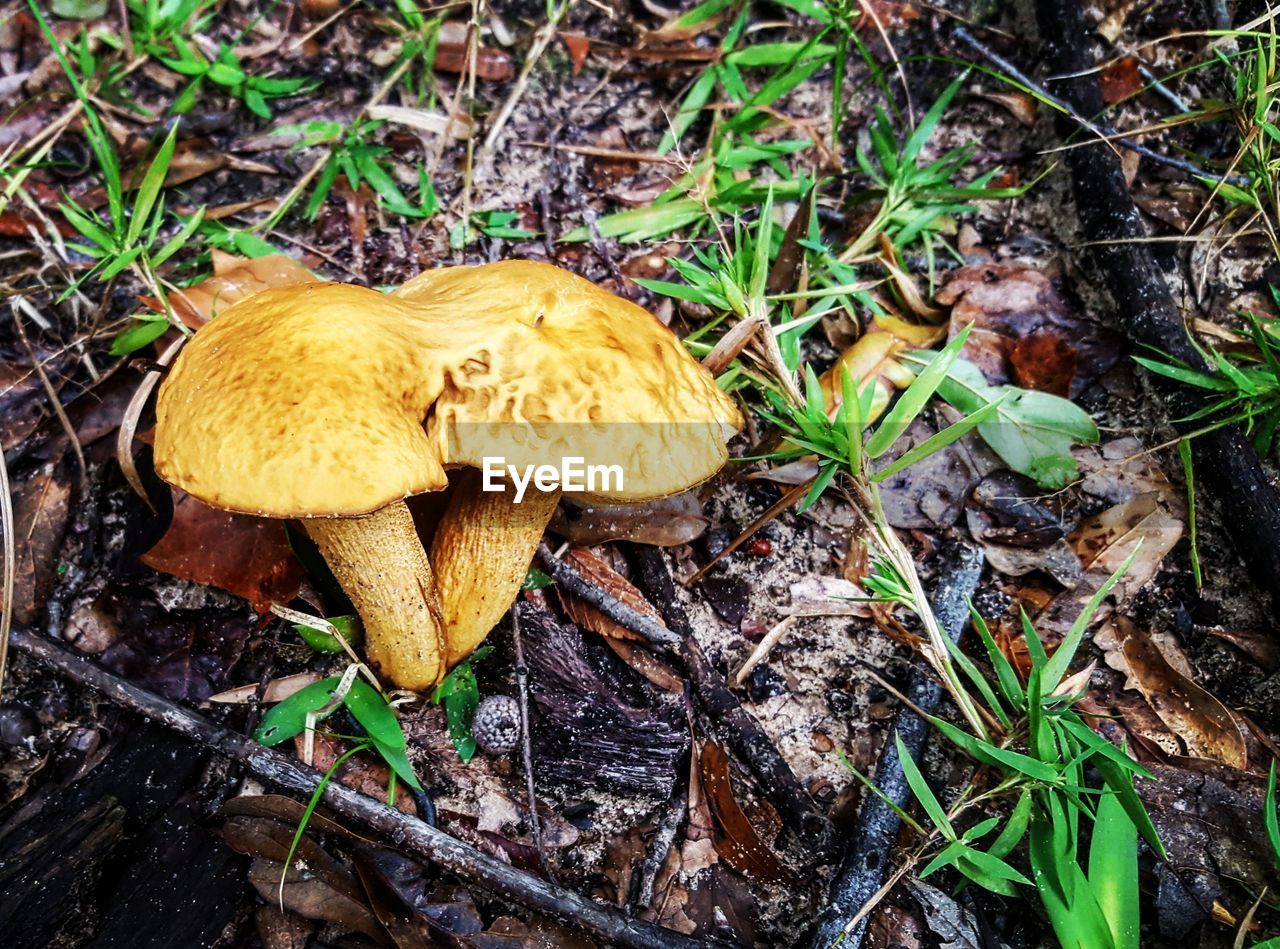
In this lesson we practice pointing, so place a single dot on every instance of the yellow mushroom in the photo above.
(332, 404)
(568, 374)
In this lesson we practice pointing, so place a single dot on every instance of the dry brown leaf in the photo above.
(668, 522)
(739, 844)
(1105, 541)
(1121, 469)
(1205, 725)
(234, 278)
(494, 65)
(817, 595)
(1120, 80)
(363, 773)
(277, 690)
(647, 664)
(247, 556)
(1024, 332)
(40, 514)
(1018, 104)
(579, 47)
(1258, 645)
(596, 570)
(308, 895)
(873, 357)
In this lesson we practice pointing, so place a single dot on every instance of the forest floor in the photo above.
(652, 151)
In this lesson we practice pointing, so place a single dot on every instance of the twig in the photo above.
(526, 746)
(55, 402)
(569, 578)
(1229, 465)
(861, 878)
(538, 47)
(789, 497)
(762, 650)
(1103, 131)
(663, 837)
(407, 832)
(740, 730)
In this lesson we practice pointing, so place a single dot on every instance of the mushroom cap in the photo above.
(302, 401)
(325, 399)
(569, 370)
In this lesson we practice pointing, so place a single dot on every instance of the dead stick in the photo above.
(742, 732)
(404, 831)
(569, 578)
(526, 746)
(1246, 497)
(865, 865)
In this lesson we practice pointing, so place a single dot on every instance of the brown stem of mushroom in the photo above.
(481, 553)
(380, 563)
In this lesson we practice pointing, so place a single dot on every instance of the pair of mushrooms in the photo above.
(332, 403)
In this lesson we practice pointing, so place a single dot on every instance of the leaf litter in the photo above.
(1026, 332)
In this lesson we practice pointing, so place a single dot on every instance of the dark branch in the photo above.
(405, 832)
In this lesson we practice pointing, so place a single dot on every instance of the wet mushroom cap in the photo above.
(303, 401)
(566, 369)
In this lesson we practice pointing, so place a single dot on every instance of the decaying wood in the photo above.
(121, 856)
(1225, 459)
(866, 862)
(589, 727)
(403, 831)
(739, 730)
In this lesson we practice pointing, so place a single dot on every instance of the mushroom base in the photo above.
(482, 551)
(381, 564)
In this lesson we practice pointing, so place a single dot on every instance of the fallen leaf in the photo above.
(247, 556)
(280, 930)
(1204, 724)
(287, 810)
(277, 690)
(596, 570)
(1018, 104)
(873, 357)
(578, 46)
(1024, 332)
(270, 839)
(648, 665)
(817, 595)
(930, 494)
(1104, 541)
(952, 925)
(667, 522)
(1122, 469)
(1256, 644)
(739, 844)
(1009, 508)
(494, 65)
(185, 655)
(1120, 80)
(40, 514)
(365, 773)
(234, 279)
(892, 927)
(306, 894)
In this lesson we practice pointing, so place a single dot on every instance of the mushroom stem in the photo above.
(481, 553)
(380, 563)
